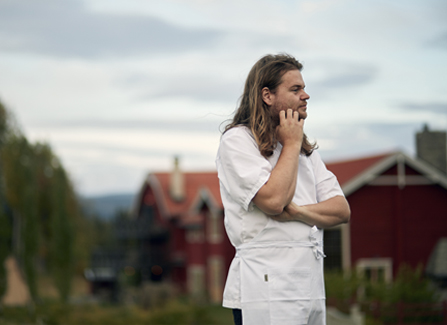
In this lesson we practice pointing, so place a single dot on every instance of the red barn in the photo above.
(399, 212)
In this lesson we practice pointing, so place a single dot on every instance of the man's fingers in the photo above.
(282, 115)
(289, 114)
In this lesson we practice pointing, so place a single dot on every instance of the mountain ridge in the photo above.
(106, 206)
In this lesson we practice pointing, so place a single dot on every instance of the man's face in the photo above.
(290, 94)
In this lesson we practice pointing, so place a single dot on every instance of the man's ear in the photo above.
(267, 96)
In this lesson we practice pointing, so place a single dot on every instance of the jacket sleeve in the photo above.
(241, 168)
(326, 183)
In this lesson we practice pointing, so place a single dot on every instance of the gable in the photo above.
(196, 185)
(395, 169)
(349, 169)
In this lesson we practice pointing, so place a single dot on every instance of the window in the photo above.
(215, 278)
(214, 228)
(196, 281)
(147, 213)
(194, 235)
(332, 249)
(376, 269)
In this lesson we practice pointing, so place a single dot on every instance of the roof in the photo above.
(198, 187)
(353, 174)
(348, 169)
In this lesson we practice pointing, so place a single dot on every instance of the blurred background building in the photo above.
(176, 233)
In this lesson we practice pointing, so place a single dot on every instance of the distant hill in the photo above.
(106, 206)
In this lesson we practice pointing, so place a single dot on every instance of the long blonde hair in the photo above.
(254, 113)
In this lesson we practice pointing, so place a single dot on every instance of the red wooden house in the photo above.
(399, 213)
(195, 253)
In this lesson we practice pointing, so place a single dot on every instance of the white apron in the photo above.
(282, 280)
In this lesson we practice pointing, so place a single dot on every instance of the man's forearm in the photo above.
(336, 207)
(325, 214)
(279, 190)
(284, 175)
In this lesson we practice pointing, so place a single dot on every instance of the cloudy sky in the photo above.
(118, 87)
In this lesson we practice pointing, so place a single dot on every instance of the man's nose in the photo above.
(305, 96)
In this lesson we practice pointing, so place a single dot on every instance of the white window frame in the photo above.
(376, 264)
(214, 227)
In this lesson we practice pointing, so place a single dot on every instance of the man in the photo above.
(277, 195)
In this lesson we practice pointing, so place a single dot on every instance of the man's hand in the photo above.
(290, 128)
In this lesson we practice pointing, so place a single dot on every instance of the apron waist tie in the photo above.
(314, 243)
(318, 245)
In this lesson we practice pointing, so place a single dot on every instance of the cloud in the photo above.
(315, 6)
(114, 159)
(434, 107)
(67, 29)
(364, 139)
(330, 76)
(352, 76)
(205, 125)
(197, 88)
(196, 78)
(439, 42)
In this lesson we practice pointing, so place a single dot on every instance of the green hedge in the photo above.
(175, 313)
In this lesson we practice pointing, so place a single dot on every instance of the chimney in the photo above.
(431, 146)
(177, 182)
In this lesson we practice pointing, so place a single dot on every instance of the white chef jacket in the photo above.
(271, 256)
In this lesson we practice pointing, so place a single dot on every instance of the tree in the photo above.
(21, 196)
(5, 222)
(43, 210)
(62, 233)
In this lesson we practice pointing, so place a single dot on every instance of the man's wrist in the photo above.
(292, 145)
